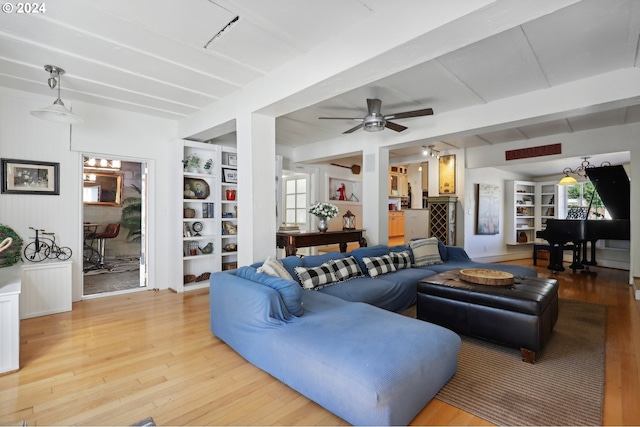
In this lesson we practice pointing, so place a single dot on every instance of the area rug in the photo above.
(564, 387)
(120, 273)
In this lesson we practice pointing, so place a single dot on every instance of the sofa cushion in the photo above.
(346, 268)
(316, 260)
(289, 290)
(273, 267)
(379, 265)
(401, 259)
(425, 252)
(316, 277)
(369, 251)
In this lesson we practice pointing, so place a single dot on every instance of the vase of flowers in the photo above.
(324, 212)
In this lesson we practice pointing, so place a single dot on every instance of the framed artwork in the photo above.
(195, 188)
(447, 169)
(30, 177)
(230, 175)
(233, 160)
(488, 209)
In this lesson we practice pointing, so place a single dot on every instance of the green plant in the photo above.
(194, 161)
(12, 254)
(208, 164)
(131, 216)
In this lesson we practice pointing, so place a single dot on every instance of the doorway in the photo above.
(113, 216)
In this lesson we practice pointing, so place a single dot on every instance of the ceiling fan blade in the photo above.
(394, 126)
(354, 129)
(374, 106)
(407, 114)
(340, 118)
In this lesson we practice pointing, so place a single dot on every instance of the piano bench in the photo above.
(522, 315)
(543, 247)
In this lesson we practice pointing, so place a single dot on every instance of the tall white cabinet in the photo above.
(528, 206)
(207, 228)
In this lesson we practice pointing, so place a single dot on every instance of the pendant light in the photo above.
(56, 112)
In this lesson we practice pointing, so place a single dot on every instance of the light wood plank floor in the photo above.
(116, 360)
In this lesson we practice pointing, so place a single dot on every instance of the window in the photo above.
(582, 195)
(295, 201)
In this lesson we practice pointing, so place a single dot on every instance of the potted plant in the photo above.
(208, 165)
(194, 162)
(131, 216)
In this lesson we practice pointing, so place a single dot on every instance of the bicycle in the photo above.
(38, 250)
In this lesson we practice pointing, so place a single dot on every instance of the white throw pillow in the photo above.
(425, 252)
(274, 267)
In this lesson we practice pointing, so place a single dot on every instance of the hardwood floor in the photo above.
(117, 360)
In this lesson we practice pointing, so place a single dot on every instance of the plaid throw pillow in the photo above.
(346, 268)
(401, 259)
(316, 277)
(379, 265)
(425, 252)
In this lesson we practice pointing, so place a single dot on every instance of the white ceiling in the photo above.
(149, 56)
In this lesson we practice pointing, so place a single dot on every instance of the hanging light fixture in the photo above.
(56, 112)
(580, 171)
(430, 151)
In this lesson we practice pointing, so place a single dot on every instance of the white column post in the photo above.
(375, 197)
(256, 142)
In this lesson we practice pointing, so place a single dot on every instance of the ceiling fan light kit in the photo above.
(375, 121)
(57, 112)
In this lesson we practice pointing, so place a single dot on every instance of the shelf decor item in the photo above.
(195, 188)
(324, 212)
(348, 221)
(230, 175)
(208, 166)
(11, 246)
(194, 163)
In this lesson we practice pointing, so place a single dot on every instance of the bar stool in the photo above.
(110, 232)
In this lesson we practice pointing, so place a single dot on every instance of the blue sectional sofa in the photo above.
(341, 344)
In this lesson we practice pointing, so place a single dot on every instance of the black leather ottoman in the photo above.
(522, 315)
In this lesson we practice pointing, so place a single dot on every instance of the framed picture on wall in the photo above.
(447, 170)
(488, 209)
(30, 177)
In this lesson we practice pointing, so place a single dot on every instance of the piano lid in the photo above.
(612, 184)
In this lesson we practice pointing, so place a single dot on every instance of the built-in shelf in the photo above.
(202, 213)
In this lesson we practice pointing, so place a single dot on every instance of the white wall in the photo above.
(105, 131)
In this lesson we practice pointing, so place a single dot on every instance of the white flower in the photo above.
(324, 210)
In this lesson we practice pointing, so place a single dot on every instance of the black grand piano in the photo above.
(612, 184)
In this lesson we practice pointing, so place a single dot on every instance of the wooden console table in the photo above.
(292, 241)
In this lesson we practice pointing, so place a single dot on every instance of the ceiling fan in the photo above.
(374, 121)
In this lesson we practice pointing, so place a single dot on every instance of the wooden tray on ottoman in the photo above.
(483, 276)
